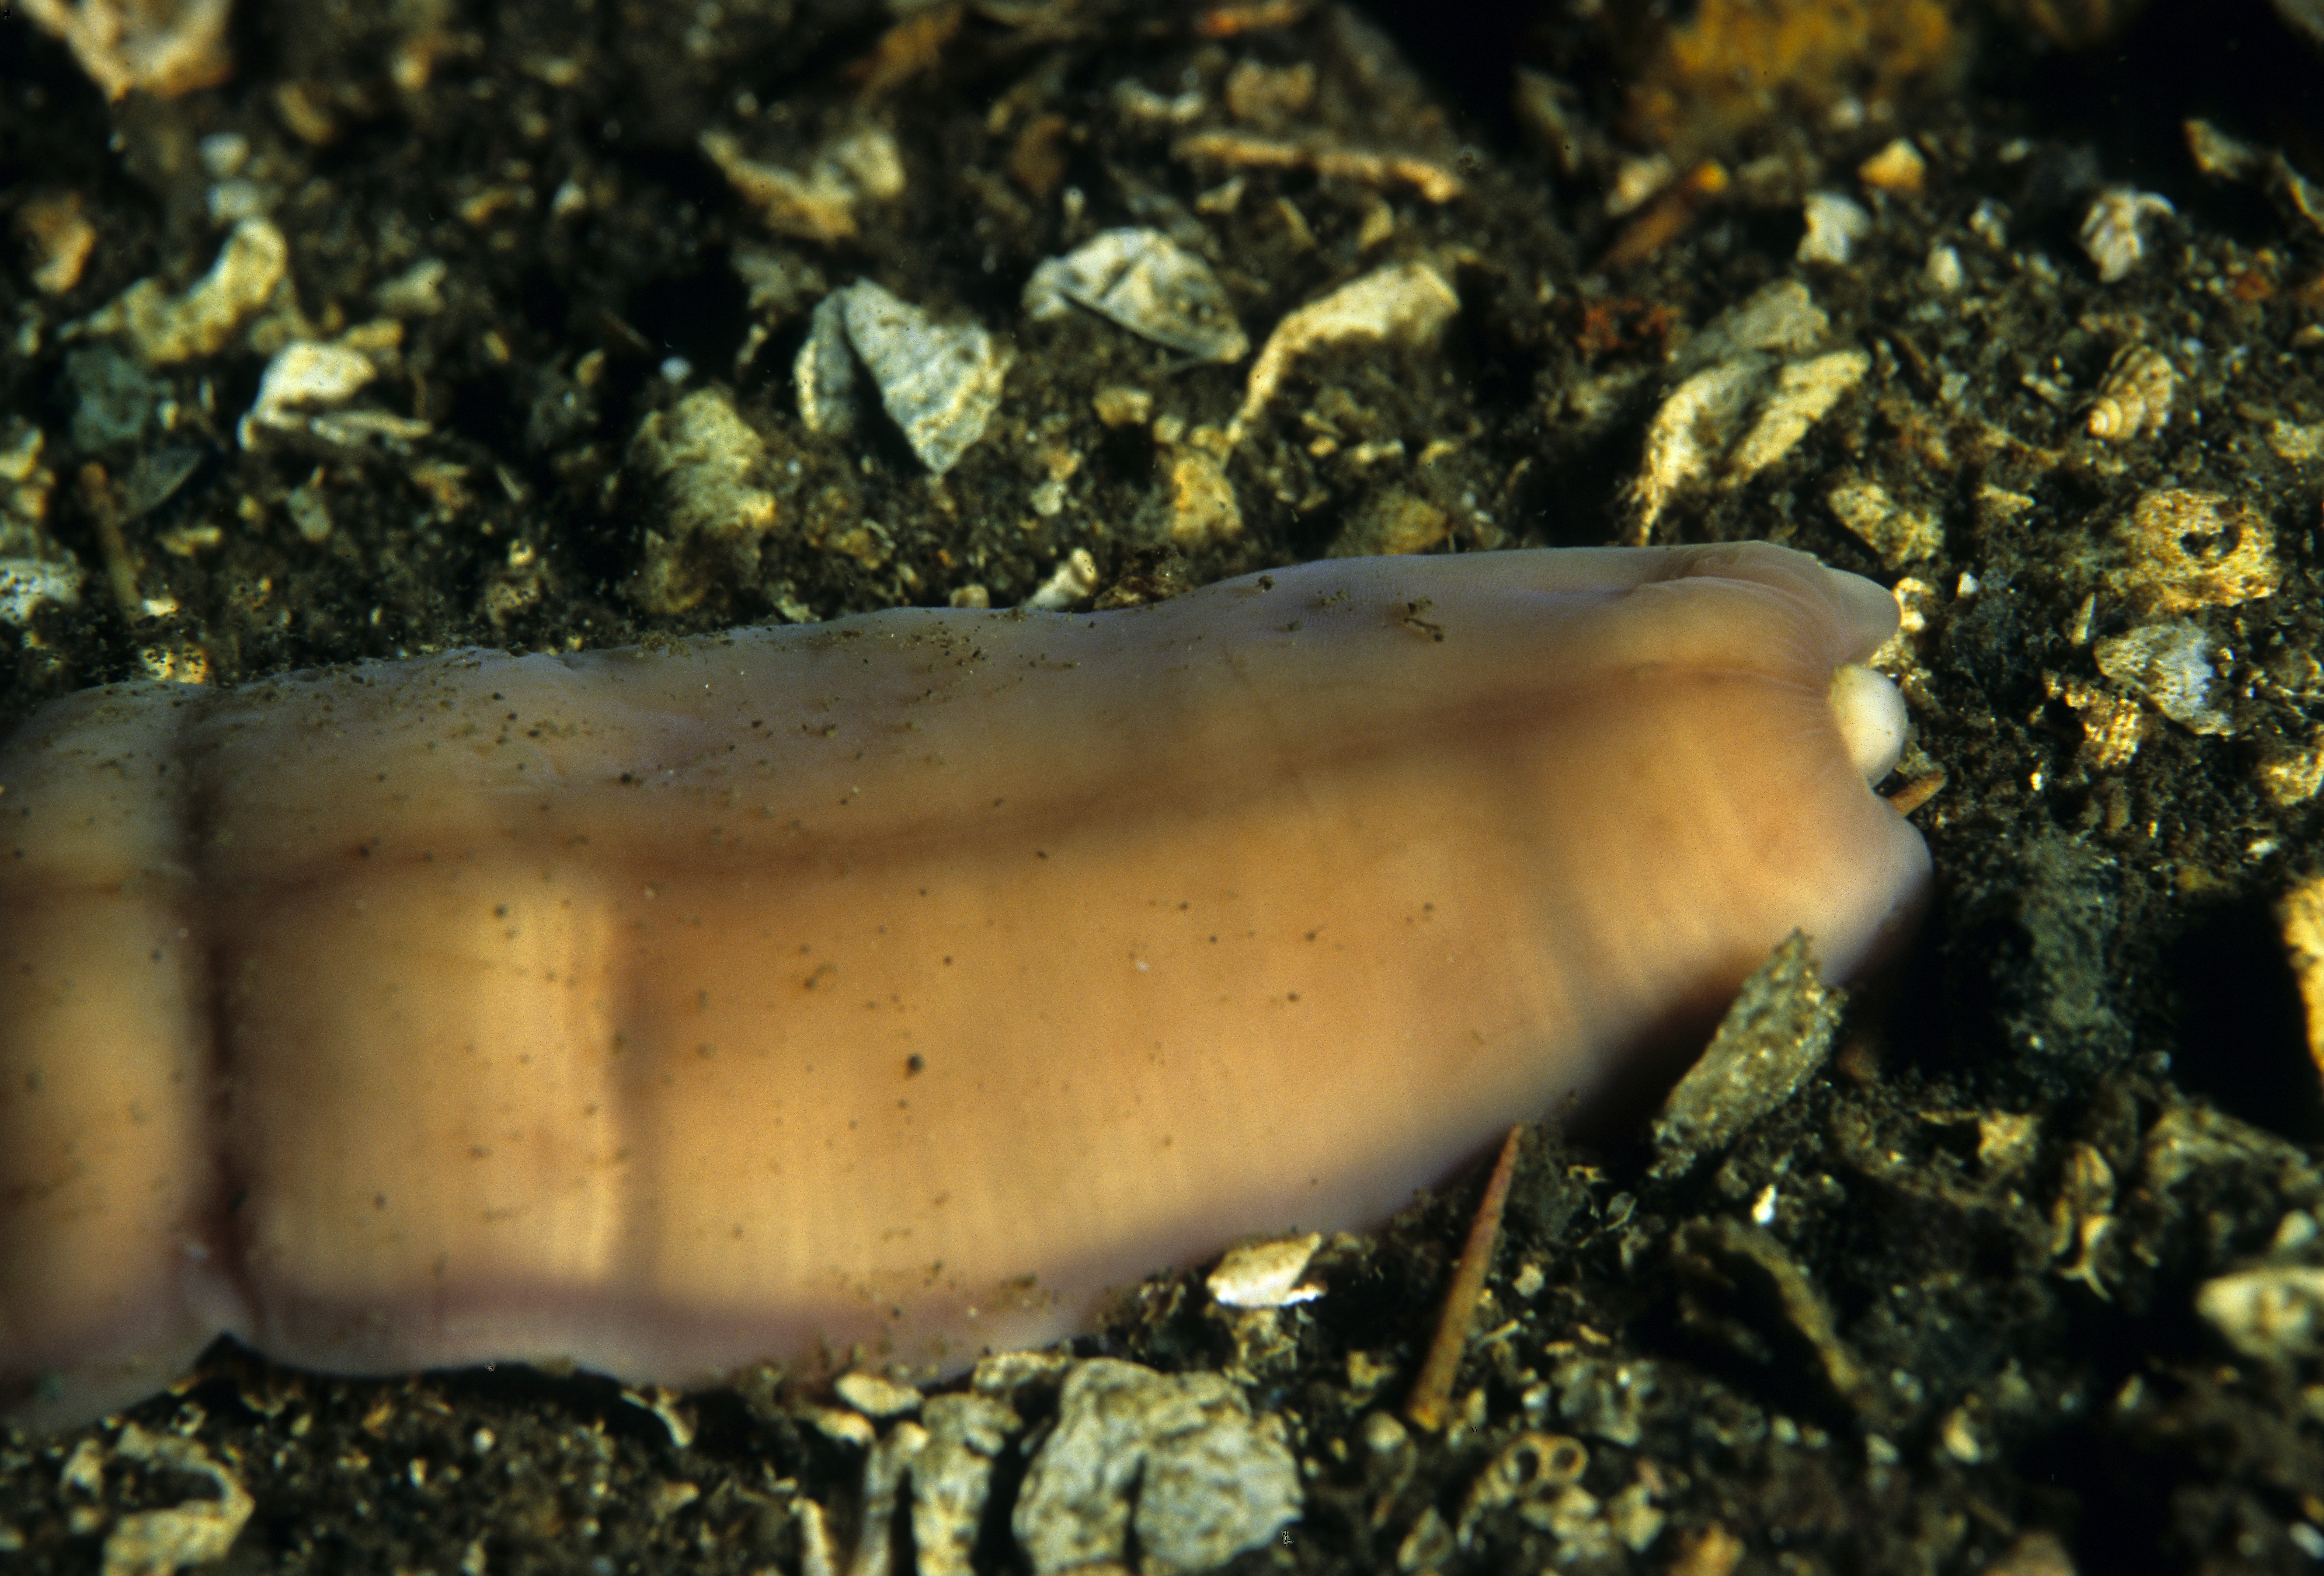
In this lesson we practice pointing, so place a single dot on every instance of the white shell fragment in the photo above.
(1693, 437)
(1943, 272)
(2302, 916)
(1266, 1274)
(1148, 284)
(1689, 432)
(1780, 319)
(194, 1533)
(1198, 502)
(163, 50)
(304, 374)
(706, 464)
(2172, 666)
(1071, 584)
(1835, 224)
(1177, 1462)
(167, 328)
(2185, 549)
(1897, 533)
(1408, 303)
(825, 372)
(820, 203)
(941, 382)
(951, 1479)
(876, 1397)
(1210, 1481)
(1898, 168)
(61, 237)
(1774, 1035)
(2114, 230)
(2275, 1313)
(1805, 392)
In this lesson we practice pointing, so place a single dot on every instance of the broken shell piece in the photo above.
(1943, 270)
(1689, 431)
(1898, 534)
(1805, 392)
(823, 375)
(2135, 397)
(1693, 431)
(876, 1397)
(1211, 1481)
(1776, 1033)
(57, 227)
(2301, 914)
(1266, 1274)
(941, 382)
(1073, 583)
(304, 374)
(820, 205)
(1779, 319)
(951, 1479)
(1835, 224)
(192, 1533)
(2275, 1313)
(1408, 303)
(2112, 230)
(1241, 150)
(705, 461)
(1199, 502)
(1120, 405)
(164, 47)
(1897, 168)
(1389, 521)
(2188, 550)
(2290, 773)
(1148, 284)
(2112, 724)
(2172, 666)
(416, 293)
(167, 328)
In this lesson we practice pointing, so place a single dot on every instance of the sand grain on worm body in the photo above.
(885, 989)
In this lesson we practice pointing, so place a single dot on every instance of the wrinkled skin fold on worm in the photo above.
(886, 989)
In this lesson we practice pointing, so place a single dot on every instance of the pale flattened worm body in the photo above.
(898, 983)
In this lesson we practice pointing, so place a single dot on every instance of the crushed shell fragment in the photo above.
(1408, 303)
(1690, 435)
(1897, 533)
(1266, 1274)
(164, 48)
(2302, 916)
(2114, 231)
(2186, 550)
(940, 382)
(1776, 1033)
(821, 203)
(2172, 666)
(1835, 224)
(705, 464)
(1213, 1480)
(304, 374)
(2275, 1313)
(166, 329)
(1145, 282)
